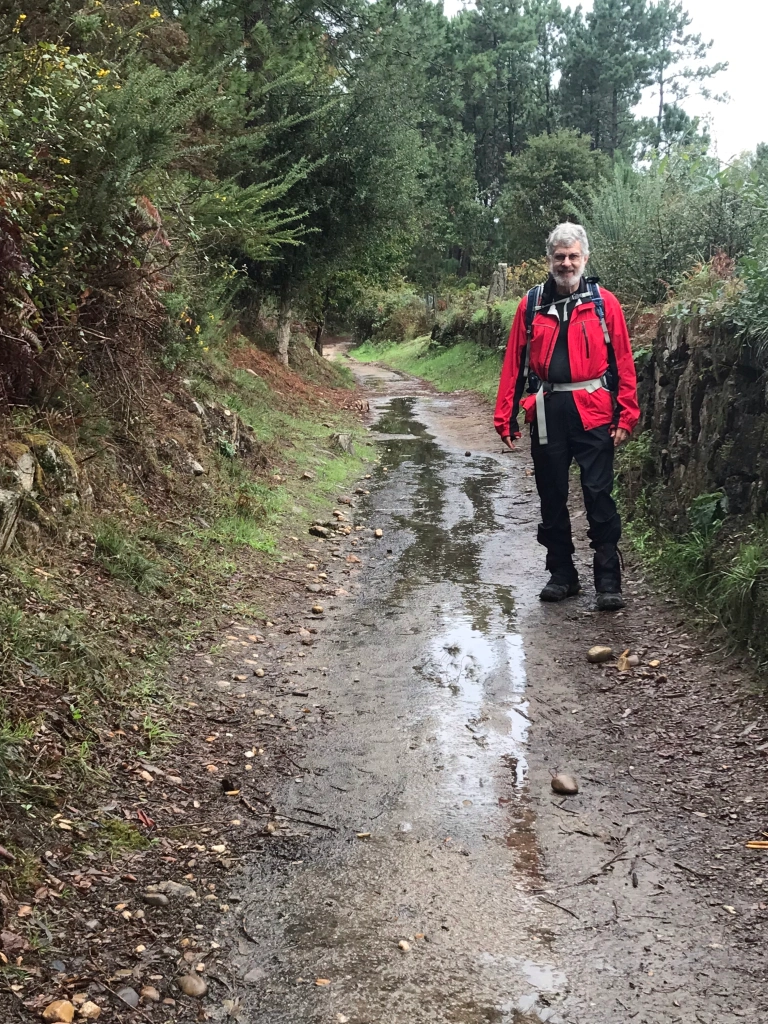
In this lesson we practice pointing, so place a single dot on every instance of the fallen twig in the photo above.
(559, 906)
(303, 821)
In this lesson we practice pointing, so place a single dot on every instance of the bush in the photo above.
(649, 227)
(389, 316)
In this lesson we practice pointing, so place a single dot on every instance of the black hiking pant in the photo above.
(593, 451)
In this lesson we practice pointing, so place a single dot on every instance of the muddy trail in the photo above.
(439, 878)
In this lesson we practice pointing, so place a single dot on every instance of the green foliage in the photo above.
(464, 366)
(545, 183)
(648, 227)
(126, 558)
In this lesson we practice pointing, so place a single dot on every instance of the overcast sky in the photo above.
(738, 30)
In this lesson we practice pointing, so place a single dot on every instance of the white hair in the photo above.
(568, 234)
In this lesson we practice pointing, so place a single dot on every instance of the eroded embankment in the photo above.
(132, 532)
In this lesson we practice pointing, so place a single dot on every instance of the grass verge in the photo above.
(463, 367)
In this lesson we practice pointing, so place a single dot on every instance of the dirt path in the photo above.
(444, 694)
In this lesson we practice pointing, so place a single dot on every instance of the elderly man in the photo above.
(569, 343)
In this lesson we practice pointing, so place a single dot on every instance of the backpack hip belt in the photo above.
(577, 385)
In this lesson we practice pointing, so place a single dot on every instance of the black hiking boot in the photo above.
(608, 578)
(559, 587)
(610, 602)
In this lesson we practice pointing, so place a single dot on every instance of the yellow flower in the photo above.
(64, 160)
(155, 14)
(197, 329)
(102, 73)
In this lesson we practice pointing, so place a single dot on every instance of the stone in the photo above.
(93, 924)
(404, 945)
(344, 442)
(176, 889)
(566, 785)
(90, 1010)
(378, 533)
(319, 531)
(58, 966)
(61, 1010)
(255, 974)
(156, 899)
(128, 996)
(57, 471)
(317, 609)
(192, 985)
(195, 408)
(314, 588)
(150, 994)
(598, 655)
(633, 660)
(197, 469)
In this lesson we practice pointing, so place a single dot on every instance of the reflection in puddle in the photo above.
(484, 672)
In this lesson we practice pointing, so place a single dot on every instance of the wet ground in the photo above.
(443, 881)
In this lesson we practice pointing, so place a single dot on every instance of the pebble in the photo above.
(192, 985)
(378, 533)
(404, 945)
(150, 994)
(92, 924)
(597, 655)
(60, 1010)
(633, 660)
(259, 672)
(156, 899)
(317, 609)
(467, 453)
(90, 1010)
(129, 996)
(565, 785)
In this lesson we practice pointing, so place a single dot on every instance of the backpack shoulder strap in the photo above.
(597, 297)
(532, 307)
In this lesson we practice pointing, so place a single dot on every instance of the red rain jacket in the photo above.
(588, 355)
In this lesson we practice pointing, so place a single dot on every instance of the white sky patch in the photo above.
(738, 30)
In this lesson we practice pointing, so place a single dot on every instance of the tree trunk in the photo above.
(284, 326)
(319, 337)
(614, 122)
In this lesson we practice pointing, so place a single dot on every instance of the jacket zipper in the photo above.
(586, 339)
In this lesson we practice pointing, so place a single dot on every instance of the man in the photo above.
(570, 340)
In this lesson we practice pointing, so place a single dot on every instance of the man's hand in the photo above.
(508, 442)
(619, 435)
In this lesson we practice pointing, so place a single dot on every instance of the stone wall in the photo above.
(704, 400)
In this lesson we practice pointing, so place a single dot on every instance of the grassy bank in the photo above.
(181, 507)
(464, 366)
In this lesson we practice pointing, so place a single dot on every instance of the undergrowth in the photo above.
(91, 615)
(708, 559)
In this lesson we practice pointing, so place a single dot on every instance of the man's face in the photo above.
(567, 265)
